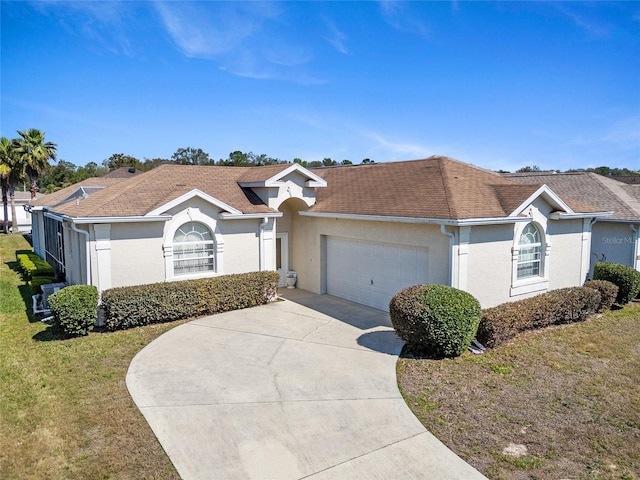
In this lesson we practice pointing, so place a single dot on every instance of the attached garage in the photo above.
(371, 273)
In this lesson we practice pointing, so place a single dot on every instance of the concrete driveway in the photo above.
(303, 388)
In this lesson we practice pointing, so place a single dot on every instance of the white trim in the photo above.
(132, 219)
(188, 196)
(421, 220)
(248, 216)
(274, 181)
(540, 282)
(551, 195)
(569, 216)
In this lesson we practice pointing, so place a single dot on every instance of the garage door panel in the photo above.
(371, 273)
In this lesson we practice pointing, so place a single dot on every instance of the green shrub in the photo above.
(565, 305)
(437, 319)
(74, 309)
(33, 266)
(37, 281)
(626, 278)
(608, 292)
(127, 307)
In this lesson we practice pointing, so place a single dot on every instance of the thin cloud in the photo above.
(239, 37)
(103, 23)
(591, 26)
(398, 15)
(336, 37)
(396, 150)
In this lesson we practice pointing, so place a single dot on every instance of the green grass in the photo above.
(570, 394)
(65, 412)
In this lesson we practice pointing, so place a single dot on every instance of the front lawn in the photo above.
(65, 412)
(569, 395)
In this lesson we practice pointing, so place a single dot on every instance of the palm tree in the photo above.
(8, 179)
(33, 155)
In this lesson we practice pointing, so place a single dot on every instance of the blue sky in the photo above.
(500, 85)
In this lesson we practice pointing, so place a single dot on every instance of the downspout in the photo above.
(264, 223)
(452, 258)
(636, 254)
(87, 249)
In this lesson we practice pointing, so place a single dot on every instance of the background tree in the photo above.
(33, 155)
(366, 161)
(346, 162)
(191, 156)
(119, 160)
(528, 168)
(8, 179)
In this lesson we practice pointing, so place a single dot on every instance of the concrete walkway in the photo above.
(303, 388)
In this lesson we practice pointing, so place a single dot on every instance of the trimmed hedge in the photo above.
(74, 309)
(503, 322)
(626, 278)
(608, 292)
(36, 282)
(437, 319)
(127, 307)
(33, 266)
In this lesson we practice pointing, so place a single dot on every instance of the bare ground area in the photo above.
(560, 403)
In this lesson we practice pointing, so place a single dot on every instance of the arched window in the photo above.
(193, 249)
(530, 253)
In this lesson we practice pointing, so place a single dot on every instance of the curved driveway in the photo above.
(303, 388)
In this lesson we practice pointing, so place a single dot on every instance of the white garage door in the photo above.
(371, 273)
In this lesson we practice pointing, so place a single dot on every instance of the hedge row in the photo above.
(626, 278)
(35, 270)
(608, 293)
(127, 307)
(500, 324)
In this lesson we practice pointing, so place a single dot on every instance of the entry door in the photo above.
(371, 273)
(282, 257)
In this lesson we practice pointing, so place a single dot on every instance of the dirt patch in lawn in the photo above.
(563, 402)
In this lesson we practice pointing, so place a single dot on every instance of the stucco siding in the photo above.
(136, 254)
(309, 245)
(241, 245)
(489, 264)
(613, 242)
(566, 254)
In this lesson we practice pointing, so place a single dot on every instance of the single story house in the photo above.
(360, 232)
(614, 239)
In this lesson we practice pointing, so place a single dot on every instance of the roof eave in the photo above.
(420, 220)
(569, 216)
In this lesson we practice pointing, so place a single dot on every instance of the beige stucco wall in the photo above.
(241, 245)
(489, 264)
(566, 253)
(136, 253)
(308, 244)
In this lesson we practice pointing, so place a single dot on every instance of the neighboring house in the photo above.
(614, 239)
(358, 232)
(20, 199)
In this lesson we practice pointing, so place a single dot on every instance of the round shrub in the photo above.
(74, 309)
(626, 278)
(608, 292)
(437, 319)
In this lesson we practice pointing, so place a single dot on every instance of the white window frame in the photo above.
(179, 221)
(200, 250)
(521, 285)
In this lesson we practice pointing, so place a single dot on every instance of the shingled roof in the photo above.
(142, 194)
(436, 187)
(604, 193)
